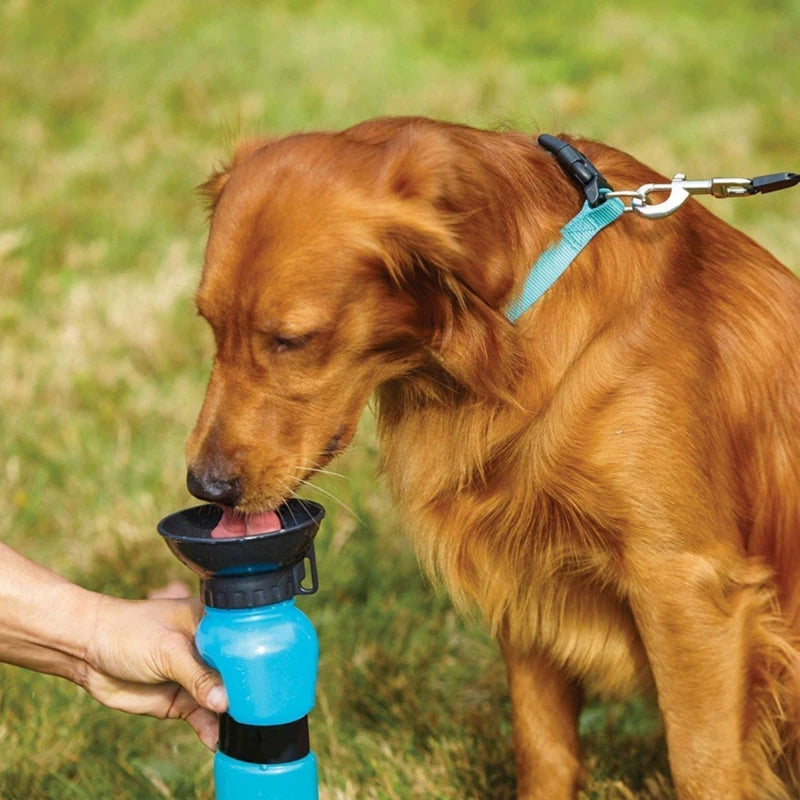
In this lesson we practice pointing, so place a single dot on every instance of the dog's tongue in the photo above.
(233, 524)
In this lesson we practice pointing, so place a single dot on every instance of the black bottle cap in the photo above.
(247, 571)
(260, 588)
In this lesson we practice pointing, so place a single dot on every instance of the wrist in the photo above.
(66, 629)
(46, 622)
(43, 620)
(81, 615)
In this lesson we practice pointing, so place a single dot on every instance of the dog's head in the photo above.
(336, 263)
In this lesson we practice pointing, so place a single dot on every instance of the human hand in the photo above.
(141, 659)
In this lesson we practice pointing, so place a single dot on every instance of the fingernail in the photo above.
(218, 699)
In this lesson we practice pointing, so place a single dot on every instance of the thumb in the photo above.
(203, 683)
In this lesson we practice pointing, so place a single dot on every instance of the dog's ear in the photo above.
(467, 337)
(438, 250)
(211, 189)
(454, 187)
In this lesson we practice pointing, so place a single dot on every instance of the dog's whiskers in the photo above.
(321, 471)
(333, 497)
(288, 492)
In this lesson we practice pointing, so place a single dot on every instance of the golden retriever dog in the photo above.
(614, 479)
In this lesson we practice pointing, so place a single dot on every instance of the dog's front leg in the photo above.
(545, 708)
(695, 620)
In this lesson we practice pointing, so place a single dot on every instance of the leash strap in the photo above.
(603, 206)
(552, 263)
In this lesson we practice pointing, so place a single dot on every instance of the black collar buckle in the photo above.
(578, 167)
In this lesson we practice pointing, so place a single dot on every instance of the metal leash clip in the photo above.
(680, 190)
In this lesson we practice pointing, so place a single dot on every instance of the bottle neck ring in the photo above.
(255, 589)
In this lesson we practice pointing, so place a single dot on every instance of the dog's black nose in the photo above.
(227, 492)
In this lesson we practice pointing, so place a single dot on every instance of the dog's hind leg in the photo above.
(545, 707)
(719, 659)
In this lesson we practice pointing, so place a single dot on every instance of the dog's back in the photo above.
(733, 313)
(755, 328)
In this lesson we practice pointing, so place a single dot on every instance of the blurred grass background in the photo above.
(110, 114)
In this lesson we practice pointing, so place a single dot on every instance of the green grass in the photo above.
(111, 113)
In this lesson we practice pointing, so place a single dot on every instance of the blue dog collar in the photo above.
(597, 212)
(550, 265)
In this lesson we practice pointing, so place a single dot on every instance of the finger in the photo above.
(174, 590)
(200, 681)
(155, 700)
(165, 701)
(206, 725)
(186, 613)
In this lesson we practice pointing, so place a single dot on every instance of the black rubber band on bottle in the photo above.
(264, 744)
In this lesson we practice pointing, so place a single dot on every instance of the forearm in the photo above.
(44, 619)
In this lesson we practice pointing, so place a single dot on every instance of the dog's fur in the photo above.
(614, 480)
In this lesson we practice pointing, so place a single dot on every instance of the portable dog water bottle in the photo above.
(264, 647)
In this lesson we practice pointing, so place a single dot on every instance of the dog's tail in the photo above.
(772, 704)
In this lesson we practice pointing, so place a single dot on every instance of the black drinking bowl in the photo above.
(188, 534)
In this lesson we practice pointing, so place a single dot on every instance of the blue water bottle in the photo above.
(264, 647)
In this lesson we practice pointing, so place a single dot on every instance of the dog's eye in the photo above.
(283, 344)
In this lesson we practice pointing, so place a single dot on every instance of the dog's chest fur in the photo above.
(509, 547)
